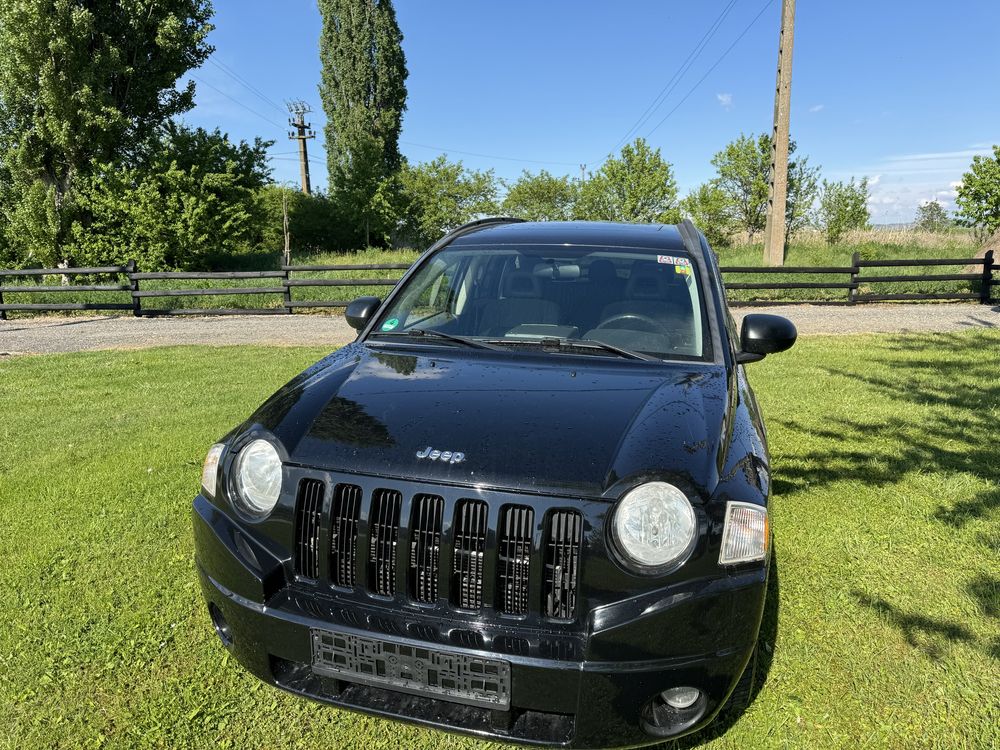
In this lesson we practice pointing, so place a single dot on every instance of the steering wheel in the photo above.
(647, 324)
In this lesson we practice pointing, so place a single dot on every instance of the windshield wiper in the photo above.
(592, 344)
(430, 333)
(559, 343)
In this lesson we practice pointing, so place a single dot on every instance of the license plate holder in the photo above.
(417, 670)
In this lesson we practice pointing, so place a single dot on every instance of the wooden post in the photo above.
(288, 293)
(133, 283)
(3, 313)
(986, 290)
(852, 293)
(774, 231)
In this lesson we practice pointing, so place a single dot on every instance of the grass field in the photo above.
(887, 497)
(806, 250)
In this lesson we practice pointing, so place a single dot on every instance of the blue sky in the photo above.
(902, 92)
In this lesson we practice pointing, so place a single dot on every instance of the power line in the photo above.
(714, 66)
(238, 102)
(678, 75)
(241, 80)
(487, 156)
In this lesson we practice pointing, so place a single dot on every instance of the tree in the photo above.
(313, 221)
(803, 189)
(193, 202)
(979, 194)
(438, 196)
(742, 170)
(743, 173)
(363, 89)
(82, 83)
(931, 217)
(541, 197)
(708, 207)
(843, 206)
(638, 186)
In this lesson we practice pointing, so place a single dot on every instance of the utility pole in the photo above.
(777, 199)
(302, 133)
(583, 173)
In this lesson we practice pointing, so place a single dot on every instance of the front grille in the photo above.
(425, 546)
(562, 563)
(470, 548)
(308, 517)
(344, 534)
(438, 547)
(514, 558)
(384, 522)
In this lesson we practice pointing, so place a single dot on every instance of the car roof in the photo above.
(653, 236)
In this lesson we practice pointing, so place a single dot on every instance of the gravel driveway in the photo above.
(47, 335)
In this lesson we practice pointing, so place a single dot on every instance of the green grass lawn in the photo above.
(887, 487)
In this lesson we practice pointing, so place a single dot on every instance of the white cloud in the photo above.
(726, 100)
(901, 182)
(817, 108)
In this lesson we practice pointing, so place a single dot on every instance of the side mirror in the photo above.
(764, 334)
(360, 311)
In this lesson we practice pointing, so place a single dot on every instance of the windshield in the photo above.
(630, 298)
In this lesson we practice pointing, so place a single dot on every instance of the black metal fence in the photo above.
(846, 281)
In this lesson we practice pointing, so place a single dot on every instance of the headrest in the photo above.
(602, 271)
(522, 284)
(646, 285)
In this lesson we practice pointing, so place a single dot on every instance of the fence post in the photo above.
(986, 290)
(288, 292)
(3, 313)
(852, 293)
(133, 283)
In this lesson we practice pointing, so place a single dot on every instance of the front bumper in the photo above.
(585, 688)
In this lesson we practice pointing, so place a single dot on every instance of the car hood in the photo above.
(563, 424)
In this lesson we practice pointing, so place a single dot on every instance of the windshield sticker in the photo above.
(683, 270)
(673, 260)
(390, 324)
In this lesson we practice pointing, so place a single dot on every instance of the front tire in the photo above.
(742, 695)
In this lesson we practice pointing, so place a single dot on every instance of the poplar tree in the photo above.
(84, 82)
(363, 90)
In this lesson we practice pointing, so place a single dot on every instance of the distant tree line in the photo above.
(96, 167)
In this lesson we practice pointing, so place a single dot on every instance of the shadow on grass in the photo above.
(924, 633)
(958, 435)
(935, 411)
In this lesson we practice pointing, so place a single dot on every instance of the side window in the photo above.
(439, 295)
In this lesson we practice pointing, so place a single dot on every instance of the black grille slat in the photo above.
(562, 563)
(514, 558)
(344, 534)
(384, 532)
(469, 552)
(425, 547)
(308, 515)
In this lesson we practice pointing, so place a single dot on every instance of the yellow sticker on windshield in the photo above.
(684, 270)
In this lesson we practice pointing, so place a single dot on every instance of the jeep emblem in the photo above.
(447, 457)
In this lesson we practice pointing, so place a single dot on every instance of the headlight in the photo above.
(654, 526)
(210, 469)
(258, 478)
(746, 534)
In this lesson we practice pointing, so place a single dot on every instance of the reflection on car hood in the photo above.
(559, 424)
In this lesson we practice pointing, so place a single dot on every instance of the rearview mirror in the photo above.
(360, 311)
(763, 334)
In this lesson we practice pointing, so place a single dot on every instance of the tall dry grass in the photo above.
(903, 236)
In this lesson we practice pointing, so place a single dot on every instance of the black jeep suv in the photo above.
(529, 502)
